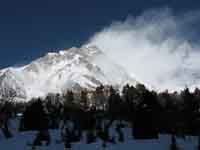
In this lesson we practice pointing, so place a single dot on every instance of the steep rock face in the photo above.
(11, 85)
(86, 67)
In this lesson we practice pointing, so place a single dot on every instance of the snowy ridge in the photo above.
(73, 68)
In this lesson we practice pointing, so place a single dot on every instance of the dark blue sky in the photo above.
(30, 28)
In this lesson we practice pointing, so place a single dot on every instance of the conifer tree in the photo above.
(84, 98)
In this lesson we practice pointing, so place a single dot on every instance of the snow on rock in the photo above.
(86, 67)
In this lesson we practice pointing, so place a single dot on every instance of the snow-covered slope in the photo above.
(21, 141)
(85, 67)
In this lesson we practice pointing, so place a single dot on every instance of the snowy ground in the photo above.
(21, 140)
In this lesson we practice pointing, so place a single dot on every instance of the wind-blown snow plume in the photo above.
(157, 47)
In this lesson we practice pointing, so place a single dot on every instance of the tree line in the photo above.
(149, 113)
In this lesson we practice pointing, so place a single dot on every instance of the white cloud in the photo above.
(154, 47)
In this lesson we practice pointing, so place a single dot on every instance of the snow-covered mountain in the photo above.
(73, 68)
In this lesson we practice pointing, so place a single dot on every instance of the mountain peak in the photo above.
(86, 67)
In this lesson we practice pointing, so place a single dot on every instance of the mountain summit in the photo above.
(74, 68)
